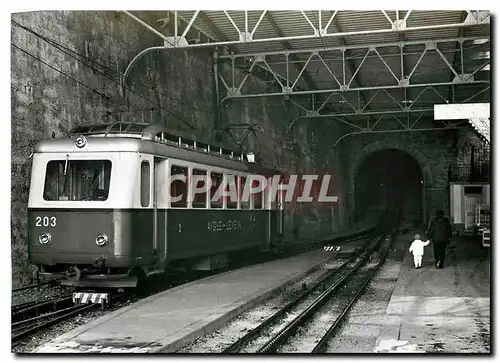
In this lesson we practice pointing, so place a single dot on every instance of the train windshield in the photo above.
(77, 180)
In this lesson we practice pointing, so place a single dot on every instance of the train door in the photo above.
(280, 210)
(159, 207)
(277, 218)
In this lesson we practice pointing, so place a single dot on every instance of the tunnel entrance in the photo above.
(392, 180)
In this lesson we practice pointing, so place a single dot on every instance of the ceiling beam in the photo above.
(286, 45)
(349, 61)
(220, 37)
(456, 57)
(437, 25)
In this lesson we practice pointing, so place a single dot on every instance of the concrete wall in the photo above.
(67, 71)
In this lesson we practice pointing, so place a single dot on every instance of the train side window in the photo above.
(200, 198)
(257, 197)
(245, 204)
(145, 184)
(216, 182)
(178, 186)
(231, 185)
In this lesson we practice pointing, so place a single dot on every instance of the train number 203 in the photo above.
(45, 221)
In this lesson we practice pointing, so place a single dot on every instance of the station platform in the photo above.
(166, 321)
(441, 310)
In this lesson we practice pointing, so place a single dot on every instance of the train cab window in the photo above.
(145, 183)
(216, 182)
(231, 183)
(245, 204)
(178, 190)
(257, 197)
(200, 198)
(99, 128)
(77, 180)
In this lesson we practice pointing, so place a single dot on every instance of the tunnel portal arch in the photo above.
(390, 178)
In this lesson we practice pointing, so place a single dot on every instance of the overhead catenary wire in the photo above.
(100, 93)
(113, 72)
(59, 71)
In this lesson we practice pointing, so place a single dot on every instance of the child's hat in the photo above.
(417, 236)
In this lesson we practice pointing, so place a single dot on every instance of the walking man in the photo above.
(440, 234)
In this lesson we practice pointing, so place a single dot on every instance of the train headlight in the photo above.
(80, 141)
(44, 238)
(101, 239)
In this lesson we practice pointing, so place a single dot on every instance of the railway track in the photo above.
(300, 247)
(33, 308)
(24, 328)
(33, 317)
(337, 293)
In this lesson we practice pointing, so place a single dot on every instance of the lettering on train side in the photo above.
(216, 226)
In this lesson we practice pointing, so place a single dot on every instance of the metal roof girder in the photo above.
(380, 113)
(175, 42)
(398, 24)
(404, 82)
(180, 41)
(374, 49)
(476, 94)
(463, 78)
(247, 35)
(359, 46)
(233, 92)
(346, 88)
(303, 68)
(476, 17)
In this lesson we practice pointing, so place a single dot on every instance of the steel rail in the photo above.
(21, 333)
(291, 327)
(24, 328)
(34, 306)
(322, 344)
(236, 346)
(299, 247)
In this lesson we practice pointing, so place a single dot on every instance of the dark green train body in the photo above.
(101, 210)
(181, 234)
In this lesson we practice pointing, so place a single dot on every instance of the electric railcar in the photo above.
(99, 210)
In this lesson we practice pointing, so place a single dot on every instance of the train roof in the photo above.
(149, 139)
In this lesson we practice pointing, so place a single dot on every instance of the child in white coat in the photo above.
(417, 247)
